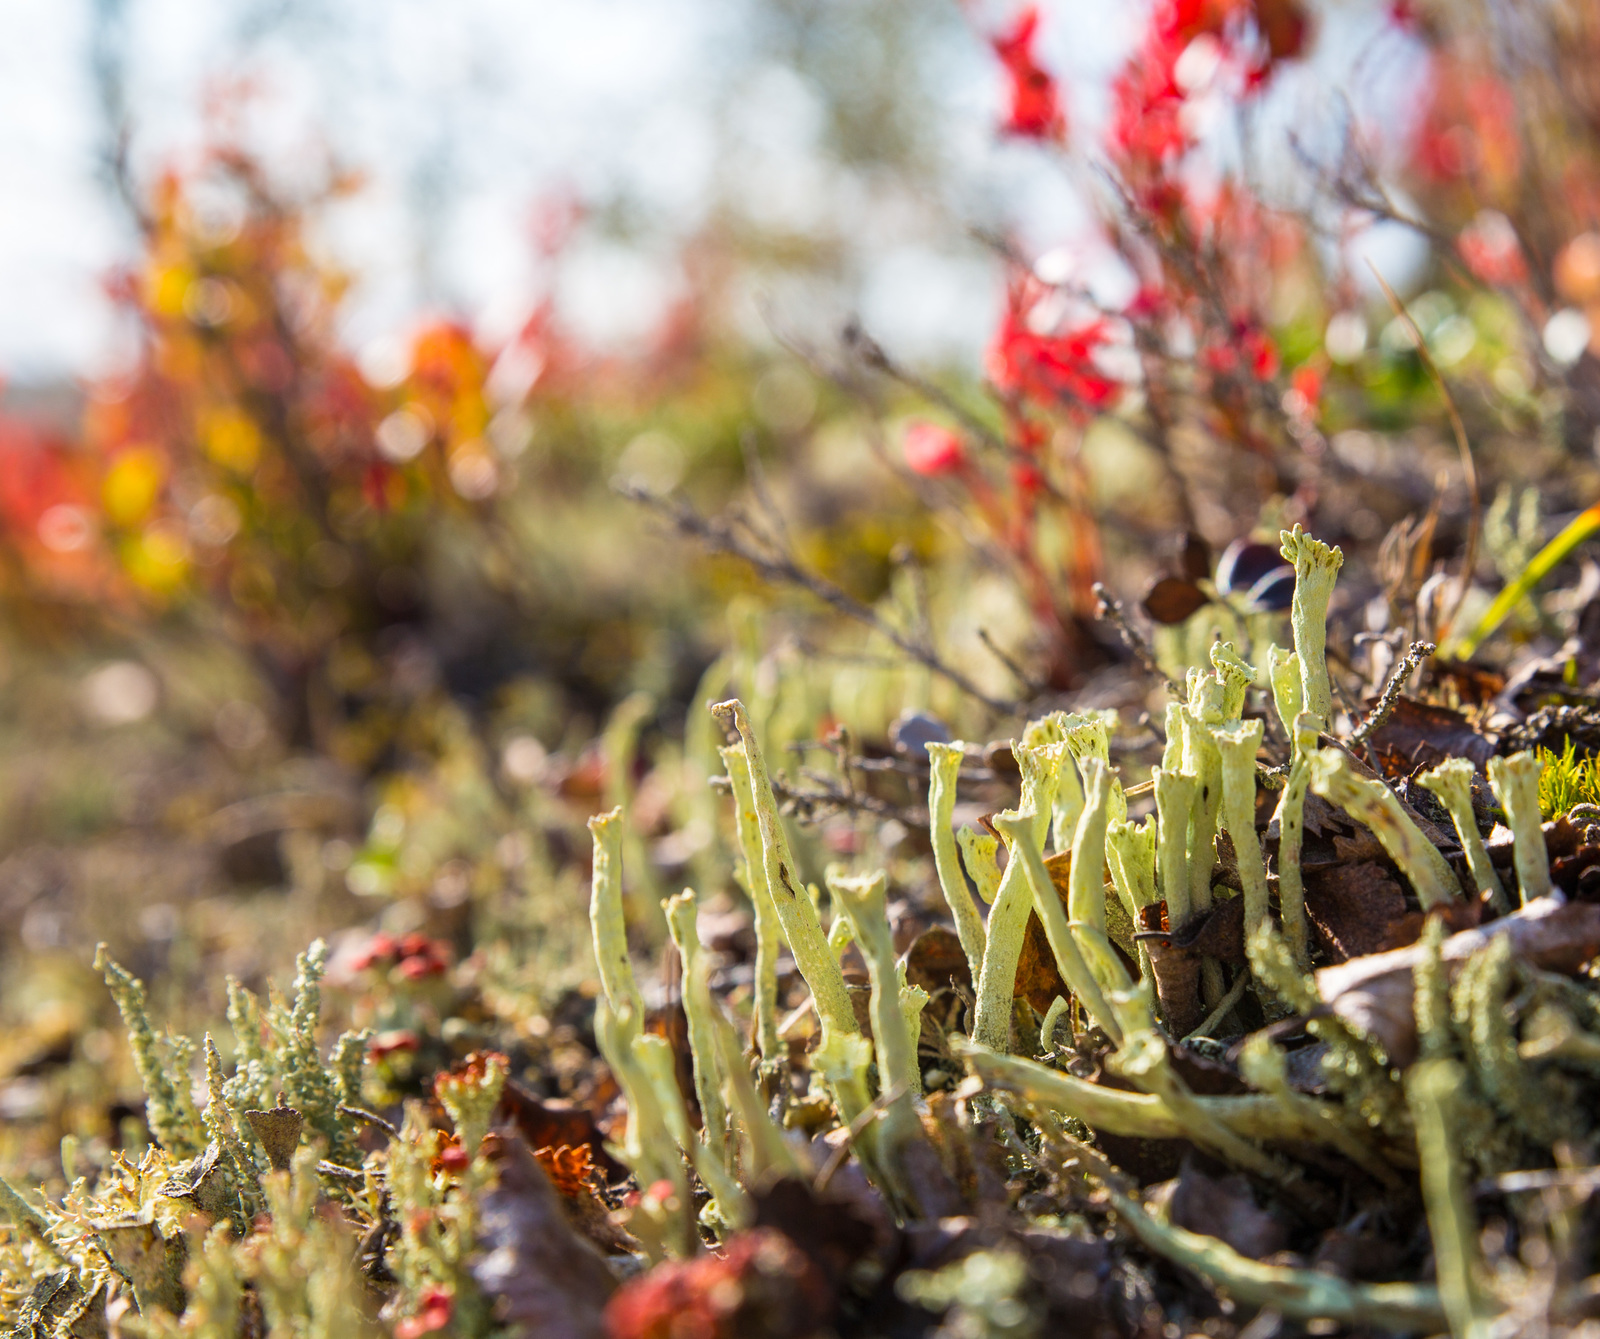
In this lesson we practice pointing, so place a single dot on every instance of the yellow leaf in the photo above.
(231, 438)
(132, 485)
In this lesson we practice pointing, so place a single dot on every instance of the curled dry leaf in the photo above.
(1173, 599)
(1224, 1206)
(1424, 735)
(1353, 908)
(279, 1133)
(1376, 993)
(543, 1278)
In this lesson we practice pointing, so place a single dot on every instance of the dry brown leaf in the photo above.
(543, 1278)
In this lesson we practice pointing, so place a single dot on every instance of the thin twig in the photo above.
(1215, 1017)
(1033, 686)
(755, 472)
(1110, 609)
(779, 568)
(1463, 447)
(853, 1131)
(803, 805)
(1390, 697)
(370, 1117)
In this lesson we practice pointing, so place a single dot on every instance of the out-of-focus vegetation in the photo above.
(296, 650)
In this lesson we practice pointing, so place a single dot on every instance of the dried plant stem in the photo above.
(1390, 697)
(782, 569)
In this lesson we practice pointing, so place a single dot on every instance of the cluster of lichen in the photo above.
(220, 1227)
(1484, 1095)
(256, 1209)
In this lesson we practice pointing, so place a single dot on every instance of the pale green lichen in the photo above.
(980, 853)
(1086, 881)
(222, 1125)
(801, 926)
(1355, 1065)
(1265, 1067)
(1303, 1294)
(944, 768)
(1088, 735)
(1135, 1115)
(1431, 994)
(607, 923)
(1372, 803)
(1008, 917)
(1237, 746)
(764, 984)
(1236, 677)
(1451, 781)
(1202, 761)
(899, 1082)
(1291, 835)
(1288, 696)
(665, 1223)
(1071, 959)
(763, 1155)
(1430, 1088)
(1174, 803)
(1516, 785)
(1538, 1100)
(682, 924)
(1068, 803)
(1316, 568)
(1131, 857)
(169, 1109)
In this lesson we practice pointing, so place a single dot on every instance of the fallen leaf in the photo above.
(1225, 1207)
(549, 1122)
(542, 1277)
(1376, 994)
(279, 1133)
(1352, 908)
(1194, 557)
(1172, 600)
(1424, 735)
(936, 961)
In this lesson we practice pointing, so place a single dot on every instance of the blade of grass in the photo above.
(1579, 529)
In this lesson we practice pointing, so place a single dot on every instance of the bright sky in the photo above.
(488, 105)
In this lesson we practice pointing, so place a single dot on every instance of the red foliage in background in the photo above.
(1035, 103)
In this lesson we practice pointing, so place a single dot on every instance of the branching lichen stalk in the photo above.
(1516, 785)
(1451, 781)
(798, 917)
(1174, 802)
(1070, 959)
(1291, 834)
(1008, 917)
(862, 900)
(606, 921)
(1316, 568)
(764, 985)
(1238, 747)
(944, 767)
(1430, 1087)
(1374, 804)
(681, 922)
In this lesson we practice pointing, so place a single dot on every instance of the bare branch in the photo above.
(1419, 652)
(781, 569)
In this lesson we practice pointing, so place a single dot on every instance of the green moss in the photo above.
(1568, 780)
